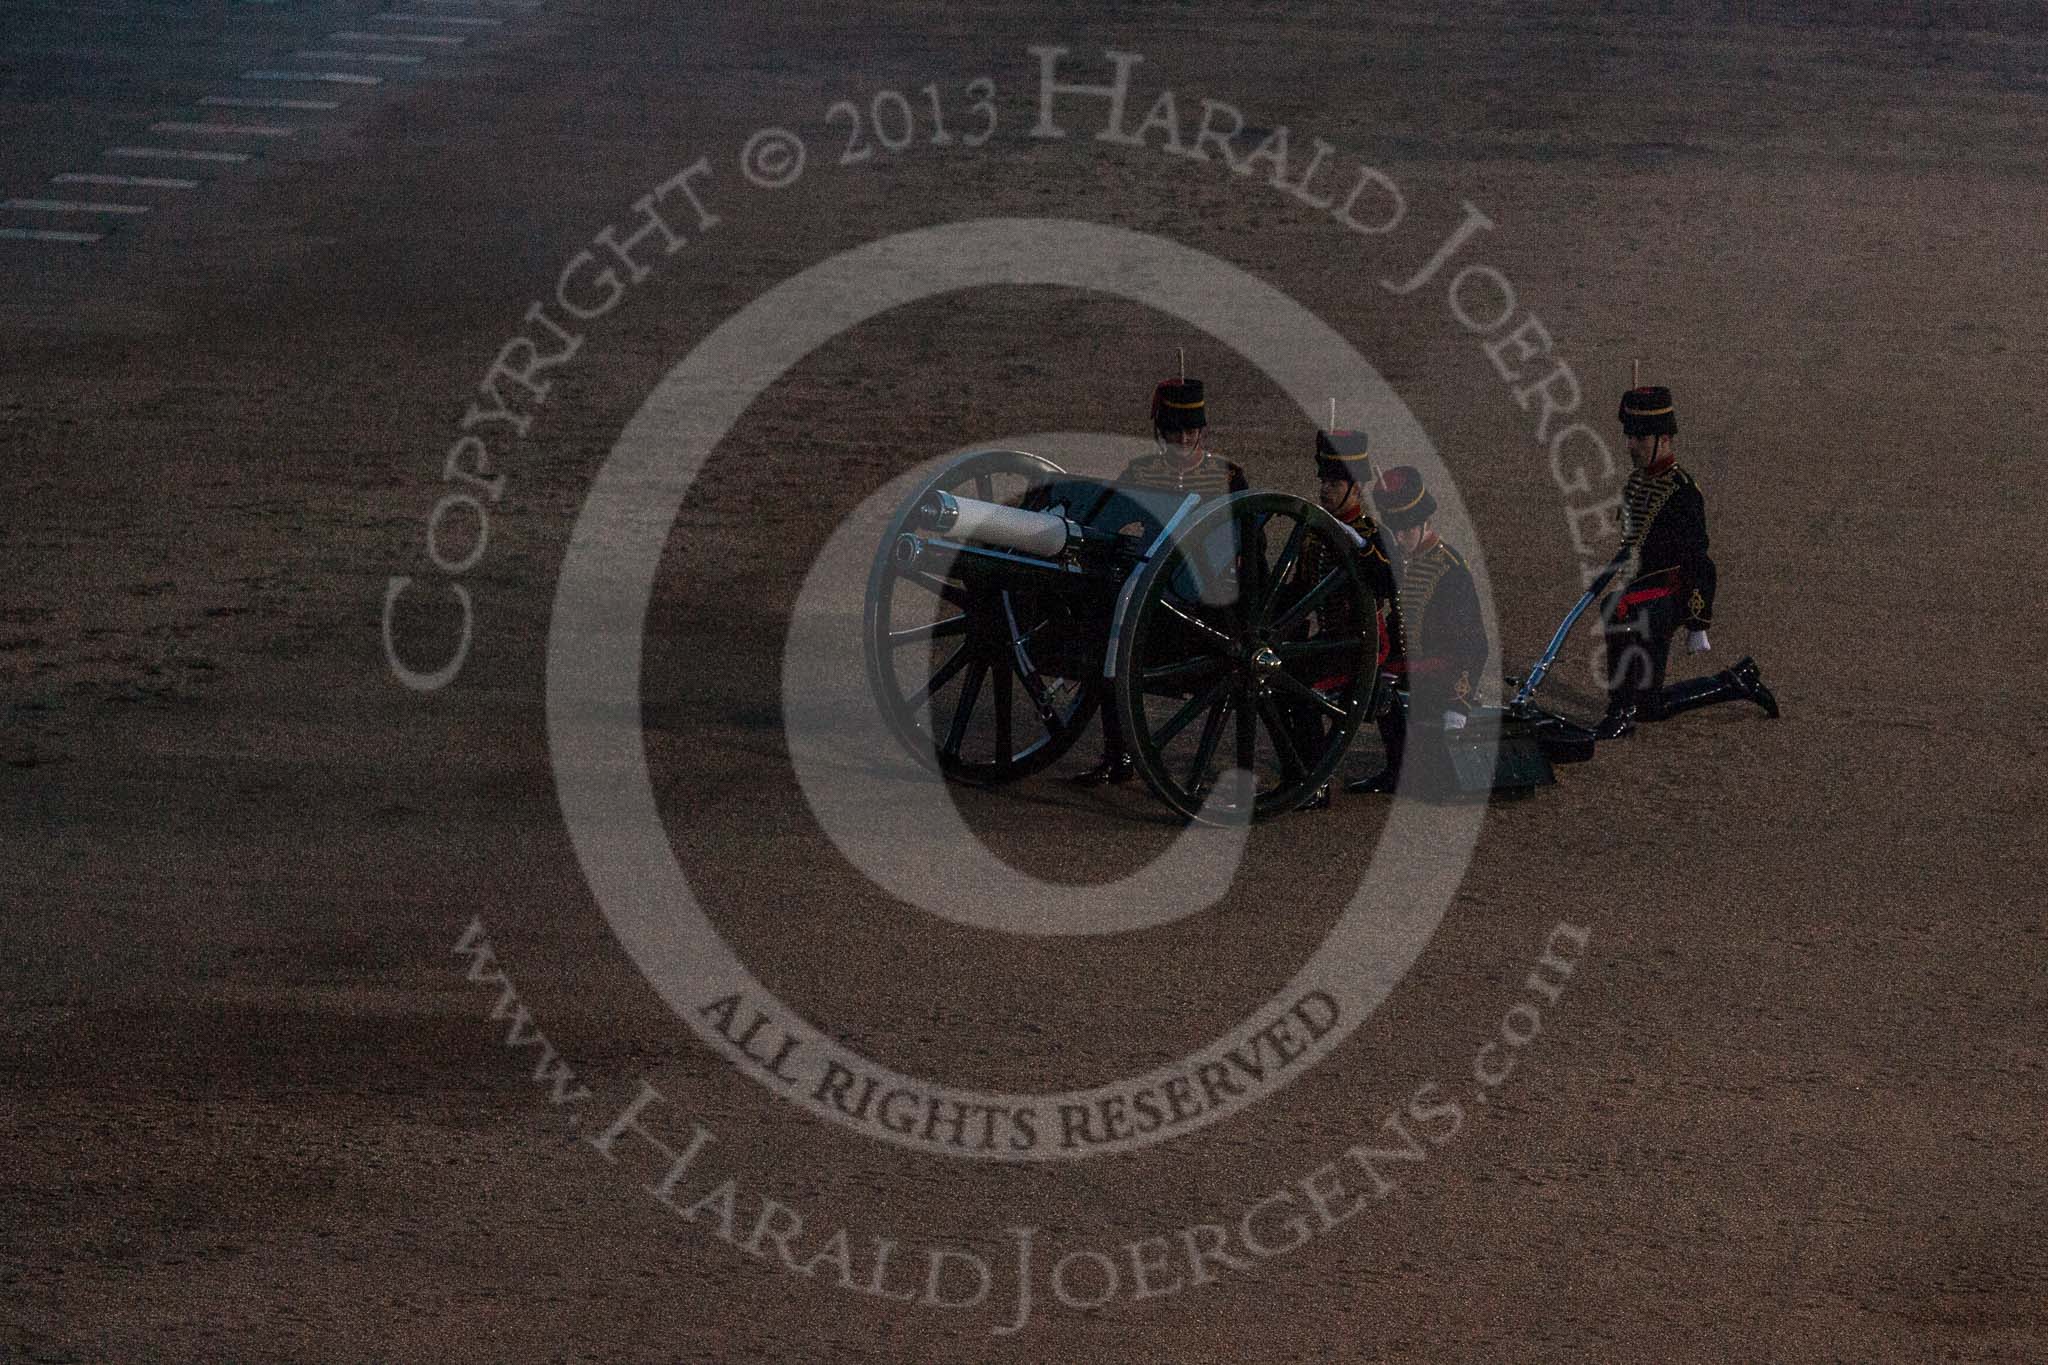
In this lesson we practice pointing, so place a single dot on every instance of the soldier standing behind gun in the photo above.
(1343, 471)
(1180, 464)
(1438, 639)
(1668, 582)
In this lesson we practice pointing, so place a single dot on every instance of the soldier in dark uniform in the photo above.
(1343, 473)
(1183, 464)
(1438, 642)
(1667, 583)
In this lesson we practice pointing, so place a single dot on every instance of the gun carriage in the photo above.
(1009, 601)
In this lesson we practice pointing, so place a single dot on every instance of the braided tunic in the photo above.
(1212, 478)
(1439, 642)
(1333, 617)
(1664, 527)
(1667, 582)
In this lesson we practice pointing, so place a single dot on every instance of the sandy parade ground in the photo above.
(461, 903)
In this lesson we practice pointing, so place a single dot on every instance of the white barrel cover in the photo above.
(1011, 528)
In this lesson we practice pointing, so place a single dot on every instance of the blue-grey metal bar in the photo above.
(1571, 618)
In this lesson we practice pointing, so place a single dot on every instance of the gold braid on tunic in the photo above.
(1420, 576)
(1334, 616)
(1642, 498)
(1210, 478)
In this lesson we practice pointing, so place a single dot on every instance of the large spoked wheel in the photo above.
(1250, 642)
(981, 682)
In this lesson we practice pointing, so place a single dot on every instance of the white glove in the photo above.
(1454, 720)
(1696, 642)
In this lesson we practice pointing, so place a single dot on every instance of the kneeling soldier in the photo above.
(1180, 464)
(1438, 642)
(1668, 582)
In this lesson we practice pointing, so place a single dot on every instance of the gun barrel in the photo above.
(992, 523)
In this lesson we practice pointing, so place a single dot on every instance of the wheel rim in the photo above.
(978, 681)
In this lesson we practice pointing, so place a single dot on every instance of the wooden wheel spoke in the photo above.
(1306, 603)
(1184, 672)
(942, 675)
(1034, 688)
(1024, 670)
(1282, 568)
(1004, 677)
(1205, 632)
(939, 587)
(970, 692)
(1311, 696)
(1283, 739)
(1252, 582)
(1164, 735)
(1212, 734)
(1294, 651)
(930, 630)
(1247, 735)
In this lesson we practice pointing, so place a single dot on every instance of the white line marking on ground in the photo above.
(161, 59)
(47, 235)
(465, 21)
(177, 154)
(330, 77)
(337, 55)
(71, 206)
(432, 39)
(72, 11)
(144, 182)
(233, 102)
(224, 129)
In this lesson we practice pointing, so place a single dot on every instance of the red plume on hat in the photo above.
(1402, 499)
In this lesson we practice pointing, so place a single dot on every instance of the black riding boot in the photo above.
(1394, 737)
(1750, 679)
(1620, 720)
(1675, 699)
(1618, 723)
(1635, 677)
(1740, 683)
(1115, 766)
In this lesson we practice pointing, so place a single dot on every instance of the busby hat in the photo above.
(1647, 411)
(1402, 499)
(1177, 406)
(1341, 455)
